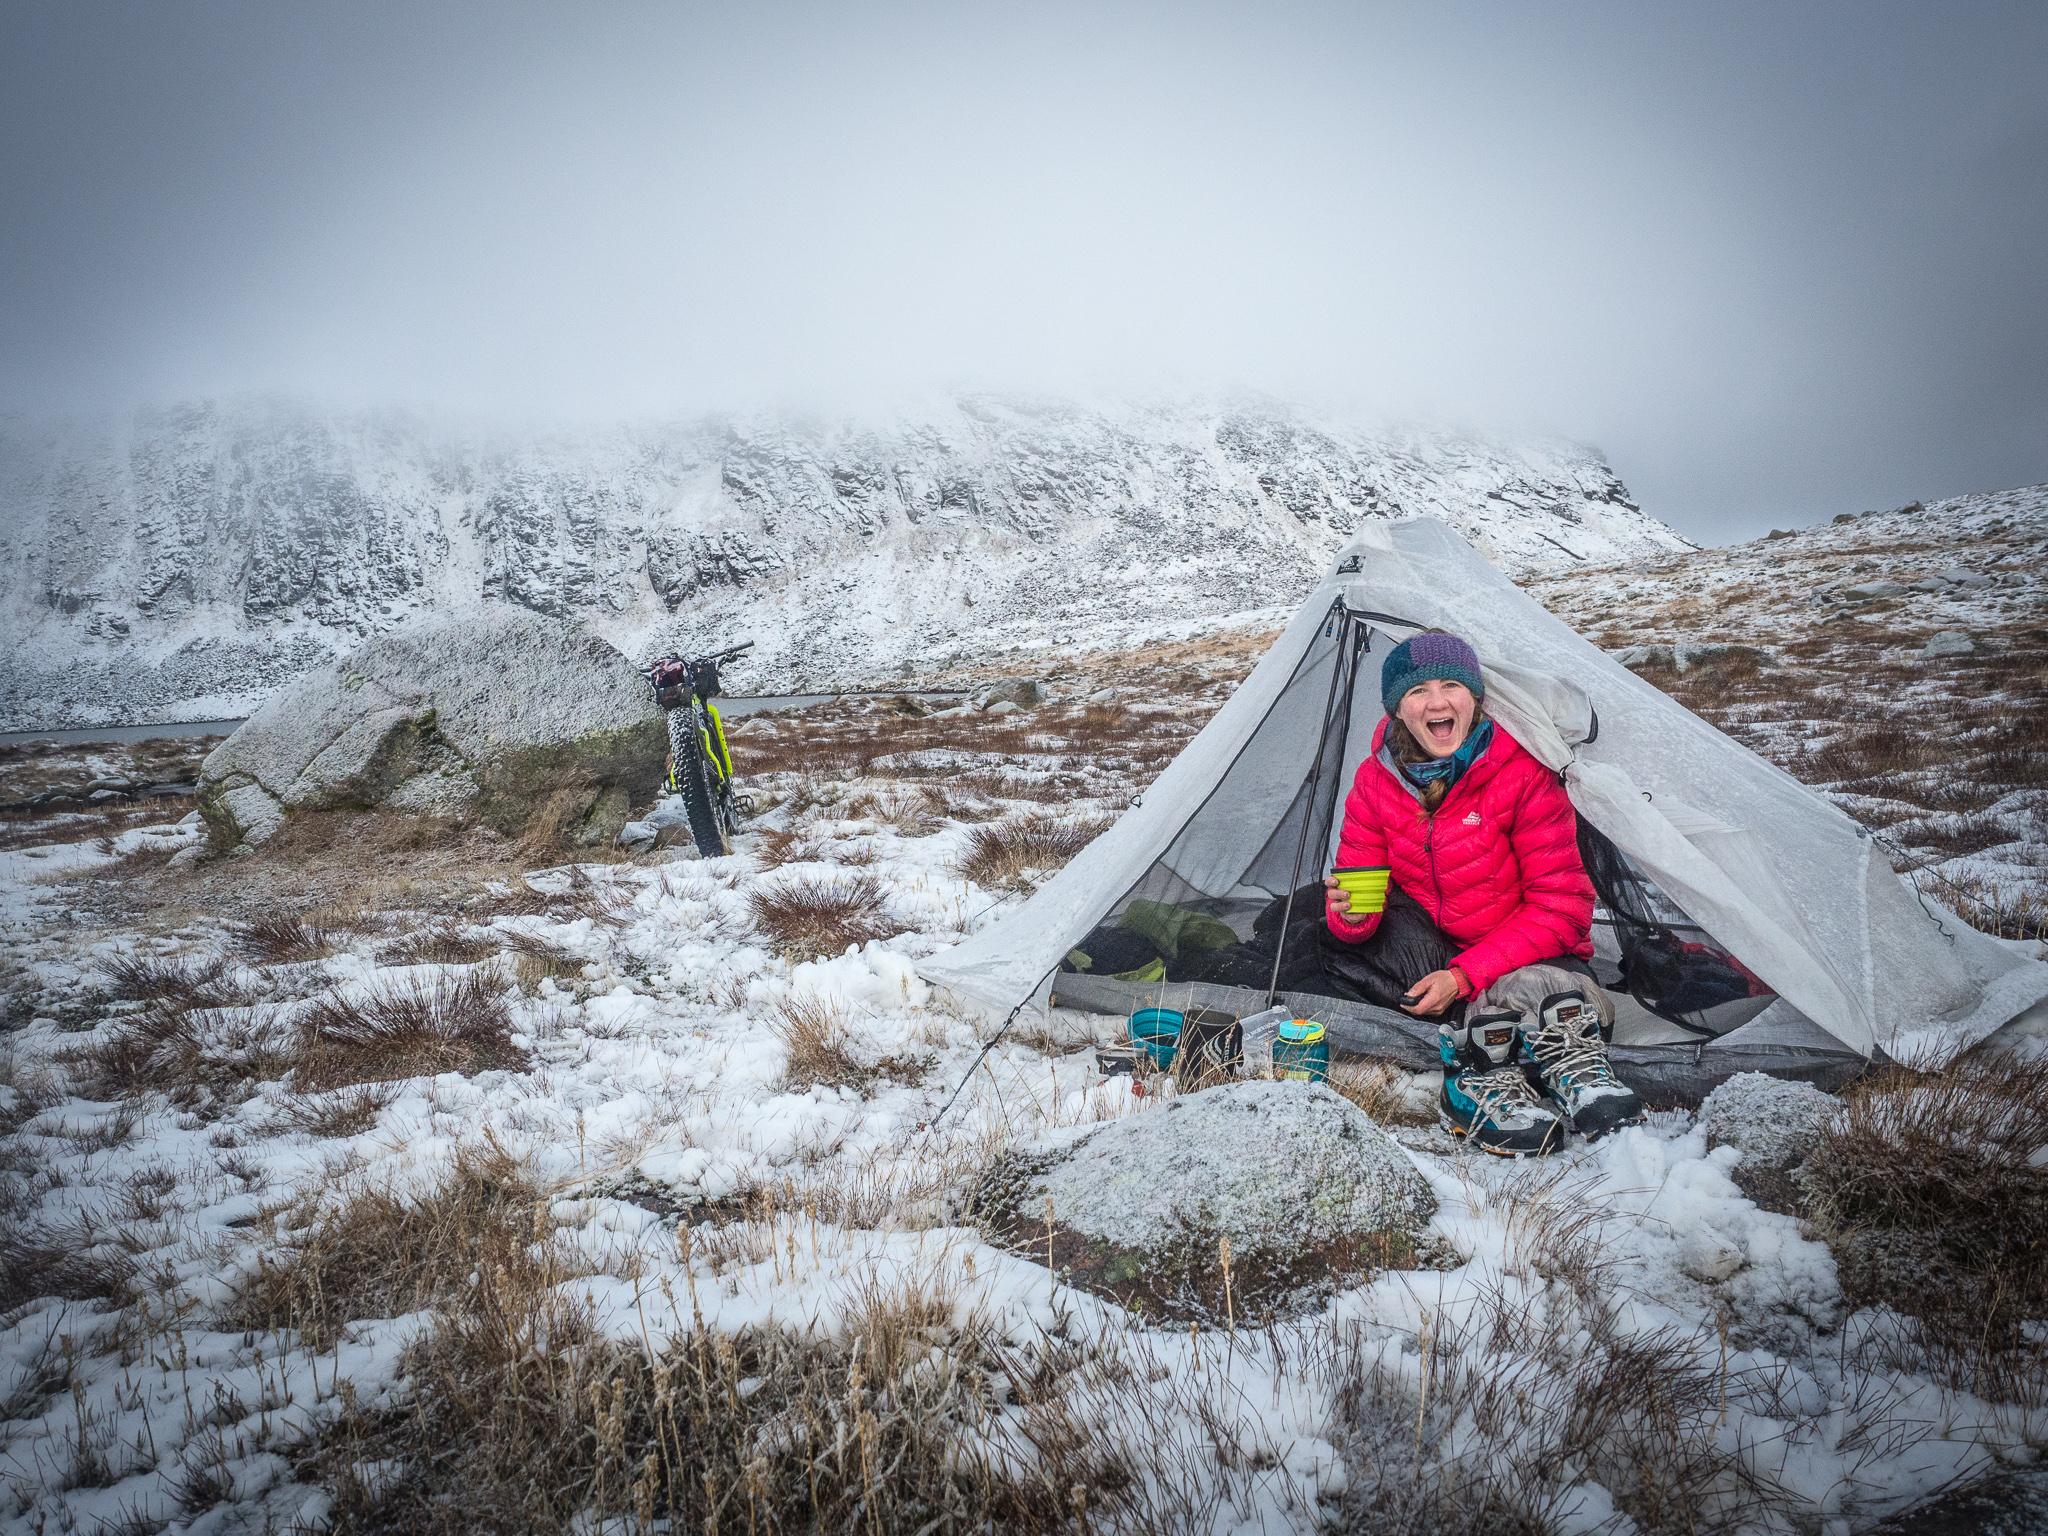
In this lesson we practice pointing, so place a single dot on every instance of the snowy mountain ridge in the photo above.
(182, 561)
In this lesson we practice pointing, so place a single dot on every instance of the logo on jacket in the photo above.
(1471, 818)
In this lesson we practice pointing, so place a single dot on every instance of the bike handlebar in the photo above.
(725, 655)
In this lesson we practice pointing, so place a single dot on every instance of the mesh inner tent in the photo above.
(1269, 822)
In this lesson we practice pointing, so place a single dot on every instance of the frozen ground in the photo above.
(335, 1172)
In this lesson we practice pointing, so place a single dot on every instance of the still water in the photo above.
(734, 705)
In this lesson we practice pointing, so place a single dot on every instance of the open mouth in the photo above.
(1442, 729)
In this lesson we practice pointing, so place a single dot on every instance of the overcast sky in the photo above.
(1778, 260)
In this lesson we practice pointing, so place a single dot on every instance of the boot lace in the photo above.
(1499, 1089)
(1575, 1051)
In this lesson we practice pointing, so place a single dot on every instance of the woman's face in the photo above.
(1438, 714)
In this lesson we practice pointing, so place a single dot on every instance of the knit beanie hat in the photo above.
(1431, 654)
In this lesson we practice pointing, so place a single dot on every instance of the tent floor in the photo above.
(1665, 1075)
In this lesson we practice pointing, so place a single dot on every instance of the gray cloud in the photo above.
(1778, 261)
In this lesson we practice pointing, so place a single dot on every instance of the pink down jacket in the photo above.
(1497, 867)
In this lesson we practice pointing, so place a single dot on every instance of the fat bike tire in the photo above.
(693, 780)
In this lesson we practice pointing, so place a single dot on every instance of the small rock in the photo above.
(1778, 533)
(1774, 1124)
(1956, 576)
(187, 856)
(1844, 517)
(668, 811)
(1950, 642)
(1020, 691)
(638, 836)
(1005, 707)
(1708, 1256)
(1868, 591)
(1684, 657)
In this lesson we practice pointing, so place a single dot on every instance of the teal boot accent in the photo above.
(1486, 1096)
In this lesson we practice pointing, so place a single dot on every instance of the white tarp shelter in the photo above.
(1770, 869)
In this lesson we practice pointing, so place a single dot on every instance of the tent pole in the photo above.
(1340, 673)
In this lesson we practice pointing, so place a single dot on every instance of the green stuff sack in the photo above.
(1152, 970)
(1177, 932)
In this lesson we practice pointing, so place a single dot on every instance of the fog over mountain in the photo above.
(1778, 261)
(178, 563)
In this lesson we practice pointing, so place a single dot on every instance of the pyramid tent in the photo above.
(1716, 854)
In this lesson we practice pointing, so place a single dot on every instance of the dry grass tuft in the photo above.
(561, 823)
(535, 960)
(805, 916)
(581, 896)
(774, 847)
(813, 1033)
(202, 1058)
(443, 943)
(283, 940)
(2004, 911)
(890, 1421)
(404, 1030)
(381, 1254)
(1560, 1397)
(915, 810)
(1932, 1189)
(73, 1262)
(1382, 1092)
(174, 983)
(341, 1113)
(1004, 852)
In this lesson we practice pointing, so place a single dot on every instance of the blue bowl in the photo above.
(1156, 1031)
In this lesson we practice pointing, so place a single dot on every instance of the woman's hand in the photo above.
(1335, 902)
(1434, 993)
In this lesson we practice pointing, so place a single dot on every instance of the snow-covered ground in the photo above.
(724, 1118)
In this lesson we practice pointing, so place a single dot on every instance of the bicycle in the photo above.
(699, 761)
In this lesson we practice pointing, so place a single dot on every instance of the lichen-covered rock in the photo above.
(1308, 1191)
(494, 713)
(1950, 642)
(1018, 692)
(1774, 1124)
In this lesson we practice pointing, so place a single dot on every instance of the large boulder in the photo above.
(1017, 692)
(1309, 1193)
(493, 714)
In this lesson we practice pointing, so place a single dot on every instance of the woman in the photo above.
(1481, 845)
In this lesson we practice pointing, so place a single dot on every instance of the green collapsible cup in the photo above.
(1365, 890)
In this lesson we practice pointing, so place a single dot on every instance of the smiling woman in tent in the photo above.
(1459, 894)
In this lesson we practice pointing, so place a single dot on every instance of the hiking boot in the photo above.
(1565, 1049)
(1486, 1096)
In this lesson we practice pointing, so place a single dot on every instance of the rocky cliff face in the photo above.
(184, 561)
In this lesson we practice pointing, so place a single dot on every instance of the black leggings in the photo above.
(1405, 947)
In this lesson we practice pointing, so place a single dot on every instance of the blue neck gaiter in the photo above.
(1447, 770)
